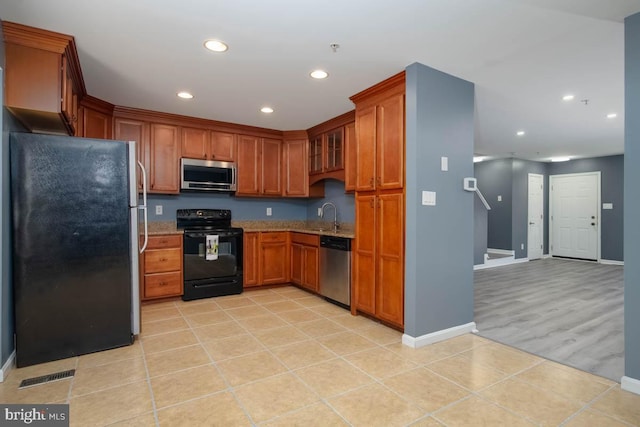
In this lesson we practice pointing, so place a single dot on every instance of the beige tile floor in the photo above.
(283, 357)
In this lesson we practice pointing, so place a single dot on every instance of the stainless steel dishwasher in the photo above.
(335, 269)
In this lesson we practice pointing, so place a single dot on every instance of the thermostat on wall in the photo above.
(470, 184)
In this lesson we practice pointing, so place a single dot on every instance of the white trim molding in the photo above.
(499, 263)
(611, 262)
(502, 251)
(437, 336)
(4, 372)
(630, 384)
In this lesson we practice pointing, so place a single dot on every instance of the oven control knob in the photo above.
(199, 213)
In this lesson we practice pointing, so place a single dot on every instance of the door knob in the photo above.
(531, 223)
(593, 217)
(593, 223)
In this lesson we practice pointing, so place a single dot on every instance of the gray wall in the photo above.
(632, 196)
(494, 179)
(439, 239)
(612, 191)
(334, 193)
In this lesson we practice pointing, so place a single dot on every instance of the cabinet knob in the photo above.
(371, 181)
(163, 284)
(163, 259)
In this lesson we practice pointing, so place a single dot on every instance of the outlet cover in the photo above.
(158, 209)
(269, 211)
(320, 212)
(429, 198)
(522, 246)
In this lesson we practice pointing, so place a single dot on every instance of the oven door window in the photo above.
(196, 265)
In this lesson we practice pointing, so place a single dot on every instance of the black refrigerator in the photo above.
(75, 245)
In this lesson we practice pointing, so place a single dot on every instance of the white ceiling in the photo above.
(522, 55)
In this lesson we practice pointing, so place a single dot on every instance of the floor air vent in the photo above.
(30, 382)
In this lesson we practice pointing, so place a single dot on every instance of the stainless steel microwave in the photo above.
(207, 175)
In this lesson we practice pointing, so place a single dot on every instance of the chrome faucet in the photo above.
(335, 215)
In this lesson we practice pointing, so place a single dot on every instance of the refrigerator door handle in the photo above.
(143, 207)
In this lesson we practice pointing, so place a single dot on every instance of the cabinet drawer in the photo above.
(161, 260)
(305, 239)
(162, 284)
(276, 236)
(164, 241)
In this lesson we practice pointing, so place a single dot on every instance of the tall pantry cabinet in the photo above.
(378, 256)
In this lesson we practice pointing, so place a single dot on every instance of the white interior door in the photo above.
(574, 215)
(535, 230)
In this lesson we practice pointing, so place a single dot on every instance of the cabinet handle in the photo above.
(371, 203)
(163, 260)
(371, 181)
(378, 181)
(163, 284)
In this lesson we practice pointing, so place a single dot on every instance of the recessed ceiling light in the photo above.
(560, 159)
(216, 45)
(319, 74)
(568, 97)
(612, 116)
(267, 110)
(520, 133)
(185, 95)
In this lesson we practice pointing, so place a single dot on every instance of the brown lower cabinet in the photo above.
(305, 249)
(266, 258)
(378, 271)
(161, 267)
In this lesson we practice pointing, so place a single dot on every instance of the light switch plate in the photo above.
(269, 211)
(320, 212)
(444, 163)
(499, 198)
(607, 206)
(158, 209)
(429, 198)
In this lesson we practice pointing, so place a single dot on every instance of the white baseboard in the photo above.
(611, 262)
(437, 336)
(7, 366)
(499, 263)
(502, 251)
(630, 384)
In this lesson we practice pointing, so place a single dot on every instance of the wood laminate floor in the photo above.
(567, 311)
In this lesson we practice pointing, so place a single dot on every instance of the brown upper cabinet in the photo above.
(126, 129)
(327, 148)
(380, 137)
(96, 118)
(43, 79)
(208, 145)
(259, 163)
(350, 156)
(158, 151)
(164, 159)
(296, 168)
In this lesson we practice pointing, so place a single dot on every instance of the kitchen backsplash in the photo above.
(248, 208)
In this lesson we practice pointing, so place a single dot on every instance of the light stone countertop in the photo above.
(322, 228)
